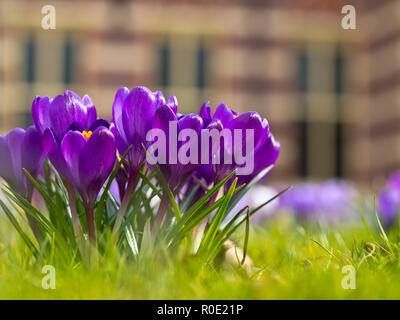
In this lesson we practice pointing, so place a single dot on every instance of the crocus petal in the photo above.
(66, 109)
(6, 168)
(247, 121)
(205, 113)
(191, 121)
(160, 100)
(96, 161)
(14, 139)
(194, 122)
(53, 152)
(263, 158)
(224, 114)
(164, 115)
(173, 103)
(138, 113)
(119, 141)
(91, 113)
(40, 113)
(161, 121)
(71, 148)
(119, 99)
(32, 150)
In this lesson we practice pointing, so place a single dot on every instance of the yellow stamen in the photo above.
(235, 116)
(87, 134)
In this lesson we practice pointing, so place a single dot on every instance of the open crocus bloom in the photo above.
(20, 149)
(133, 114)
(88, 159)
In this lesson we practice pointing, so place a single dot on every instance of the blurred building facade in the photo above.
(331, 95)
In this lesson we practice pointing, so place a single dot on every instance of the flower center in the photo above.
(235, 116)
(87, 134)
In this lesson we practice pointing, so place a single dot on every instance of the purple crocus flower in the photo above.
(265, 149)
(20, 149)
(175, 171)
(63, 113)
(88, 159)
(56, 117)
(133, 114)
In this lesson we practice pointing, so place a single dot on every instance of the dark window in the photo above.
(68, 61)
(303, 126)
(30, 51)
(339, 141)
(201, 66)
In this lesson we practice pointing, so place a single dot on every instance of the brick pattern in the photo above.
(252, 62)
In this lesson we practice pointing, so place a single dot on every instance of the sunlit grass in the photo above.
(289, 261)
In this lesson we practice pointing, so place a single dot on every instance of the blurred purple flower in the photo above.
(388, 201)
(255, 197)
(394, 180)
(21, 149)
(329, 201)
(388, 205)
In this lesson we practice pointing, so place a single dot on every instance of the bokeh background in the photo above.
(331, 96)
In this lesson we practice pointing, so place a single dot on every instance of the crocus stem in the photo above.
(75, 219)
(162, 209)
(124, 203)
(90, 221)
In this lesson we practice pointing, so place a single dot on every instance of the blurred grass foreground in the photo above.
(289, 261)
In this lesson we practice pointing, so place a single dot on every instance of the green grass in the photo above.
(290, 261)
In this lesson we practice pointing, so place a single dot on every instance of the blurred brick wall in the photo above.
(319, 85)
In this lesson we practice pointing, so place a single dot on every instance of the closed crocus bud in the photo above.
(20, 149)
(169, 161)
(247, 144)
(63, 113)
(133, 114)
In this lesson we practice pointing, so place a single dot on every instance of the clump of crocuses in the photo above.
(88, 153)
